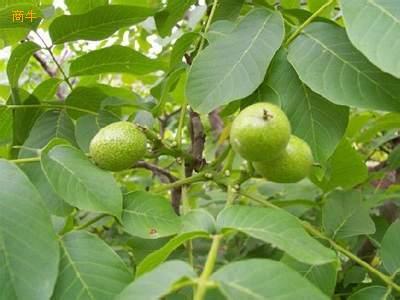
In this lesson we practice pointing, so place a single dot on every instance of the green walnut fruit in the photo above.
(260, 132)
(293, 165)
(118, 146)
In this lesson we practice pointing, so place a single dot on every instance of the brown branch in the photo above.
(165, 177)
(198, 139)
(44, 65)
(188, 59)
(161, 173)
(217, 124)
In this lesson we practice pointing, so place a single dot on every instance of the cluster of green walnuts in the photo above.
(261, 134)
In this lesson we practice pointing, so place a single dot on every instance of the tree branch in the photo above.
(198, 139)
(216, 122)
(44, 65)
(165, 177)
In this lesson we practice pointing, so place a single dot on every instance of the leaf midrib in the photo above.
(260, 230)
(241, 57)
(76, 177)
(346, 62)
(93, 27)
(74, 267)
(384, 10)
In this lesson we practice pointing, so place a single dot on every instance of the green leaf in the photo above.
(47, 89)
(197, 223)
(54, 203)
(114, 59)
(6, 125)
(234, 66)
(159, 256)
(149, 216)
(79, 182)
(374, 292)
(86, 98)
(375, 39)
(24, 118)
(290, 4)
(375, 126)
(29, 252)
(393, 160)
(18, 60)
(277, 227)
(167, 85)
(198, 220)
(219, 29)
(85, 130)
(97, 24)
(7, 26)
(158, 283)
(319, 122)
(228, 10)
(168, 17)
(89, 269)
(314, 5)
(390, 248)
(51, 124)
(81, 7)
(322, 276)
(344, 215)
(181, 46)
(345, 168)
(264, 279)
(349, 78)
(143, 3)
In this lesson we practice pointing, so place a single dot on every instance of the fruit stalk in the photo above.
(188, 180)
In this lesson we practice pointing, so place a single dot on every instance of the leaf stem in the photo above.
(208, 268)
(308, 21)
(45, 105)
(90, 222)
(314, 231)
(208, 24)
(385, 278)
(48, 48)
(25, 160)
(188, 180)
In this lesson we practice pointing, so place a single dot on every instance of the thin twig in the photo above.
(44, 65)
(198, 139)
(48, 48)
(159, 172)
